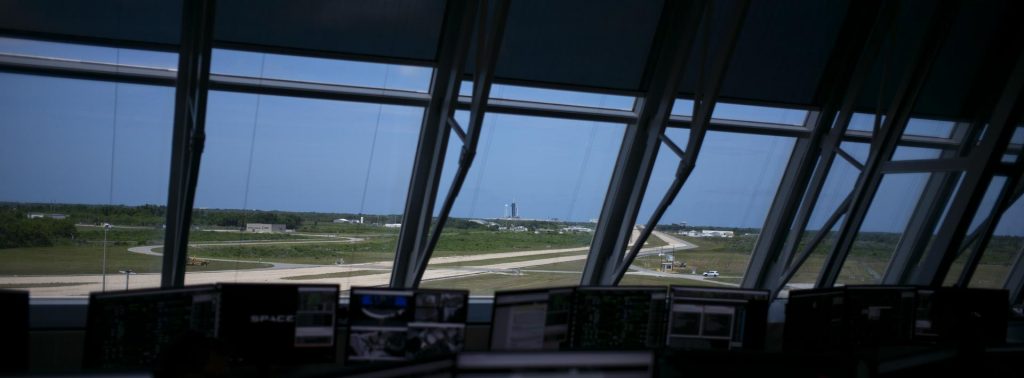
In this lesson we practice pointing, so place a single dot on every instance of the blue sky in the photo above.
(275, 153)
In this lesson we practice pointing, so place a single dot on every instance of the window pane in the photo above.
(737, 112)
(1013, 151)
(793, 117)
(883, 226)
(714, 221)
(320, 70)
(840, 181)
(527, 211)
(76, 155)
(1005, 247)
(929, 128)
(315, 186)
(988, 202)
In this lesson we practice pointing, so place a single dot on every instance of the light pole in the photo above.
(127, 274)
(106, 227)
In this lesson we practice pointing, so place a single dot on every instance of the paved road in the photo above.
(77, 285)
(148, 250)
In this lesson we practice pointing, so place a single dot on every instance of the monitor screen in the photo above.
(619, 318)
(268, 324)
(814, 319)
(397, 325)
(964, 315)
(880, 315)
(531, 319)
(13, 331)
(717, 318)
(133, 329)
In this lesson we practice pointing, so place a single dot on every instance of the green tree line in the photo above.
(18, 231)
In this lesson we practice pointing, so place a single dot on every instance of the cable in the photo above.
(373, 146)
(583, 164)
(499, 92)
(248, 173)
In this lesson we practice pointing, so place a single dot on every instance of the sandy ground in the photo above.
(80, 285)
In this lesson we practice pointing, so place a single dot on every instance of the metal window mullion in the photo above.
(1008, 194)
(188, 134)
(896, 120)
(705, 108)
(290, 88)
(929, 209)
(1015, 280)
(812, 159)
(984, 158)
(641, 141)
(489, 35)
(433, 140)
(790, 270)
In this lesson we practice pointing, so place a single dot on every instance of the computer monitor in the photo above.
(850, 317)
(624, 364)
(880, 315)
(278, 324)
(977, 317)
(717, 318)
(134, 329)
(398, 325)
(13, 331)
(531, 319)
(619, 318)
(814, 319)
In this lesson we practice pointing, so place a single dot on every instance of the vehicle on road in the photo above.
(711, 273)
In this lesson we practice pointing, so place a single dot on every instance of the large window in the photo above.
(301, 190)
(715, 220)
(84, 166)
(527, 211)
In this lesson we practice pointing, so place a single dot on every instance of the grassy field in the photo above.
(88, 260)
(82, 255)
(149, 236)
(382, 248)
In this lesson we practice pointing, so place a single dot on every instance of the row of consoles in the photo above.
(276, 329)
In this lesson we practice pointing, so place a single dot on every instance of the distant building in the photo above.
(716, 234)
(577, 229)
(44, 215)
(264, 228)
(392, 225)
(708, 234)
(511, 210)
(343, 220)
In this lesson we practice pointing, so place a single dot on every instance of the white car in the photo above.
(711, 273)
